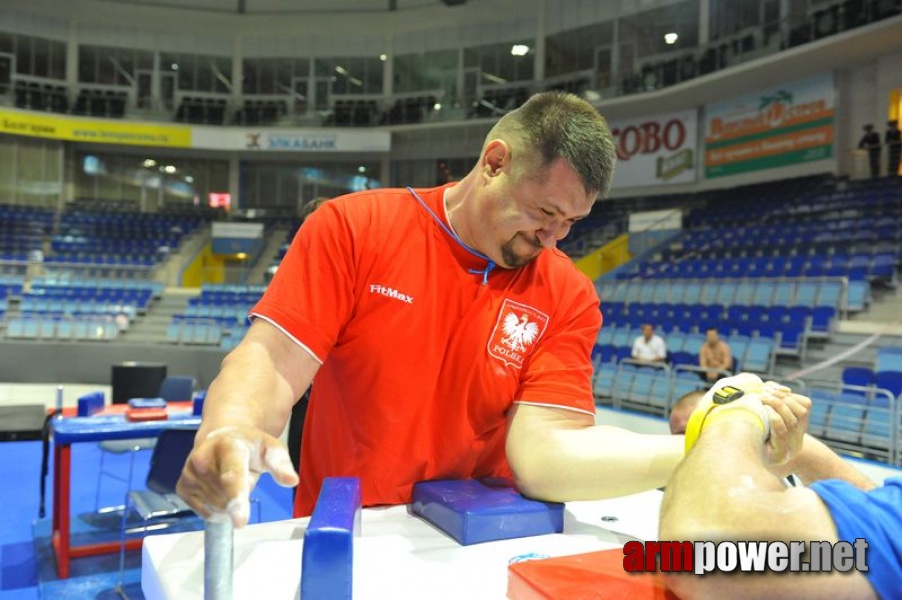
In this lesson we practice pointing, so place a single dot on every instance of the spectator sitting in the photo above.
(649, 347)
(715, 354)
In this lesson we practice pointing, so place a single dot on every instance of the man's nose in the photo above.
(552, 233)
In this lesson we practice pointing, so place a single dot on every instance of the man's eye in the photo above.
(547, 212)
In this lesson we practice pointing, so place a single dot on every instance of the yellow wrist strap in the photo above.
(694, 426)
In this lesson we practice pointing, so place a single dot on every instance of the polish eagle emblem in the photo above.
(519, 332)
(518, 329)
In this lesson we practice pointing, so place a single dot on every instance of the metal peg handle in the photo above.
(218, 559)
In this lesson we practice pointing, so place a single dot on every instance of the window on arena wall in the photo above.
(149, 181)
(351, 74)
(199, 72)
(575, 50)
(728, 16)
(36, 179)
(502, 63)
(427, 71)
(286, 186)
(273, 75)
(112, 66)
(645, 30)
(35, 56)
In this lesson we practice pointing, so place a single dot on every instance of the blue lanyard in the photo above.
(491, 264)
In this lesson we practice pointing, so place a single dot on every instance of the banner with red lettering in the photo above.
(656, 150)
(792, 123)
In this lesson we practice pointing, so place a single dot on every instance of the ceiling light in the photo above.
(671, 38)
(519, 50)
(383, 57)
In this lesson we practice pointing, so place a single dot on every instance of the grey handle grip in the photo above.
(218, 559)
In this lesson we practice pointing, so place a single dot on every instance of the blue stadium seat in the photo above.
(759, 354)
(661, 389)
(640, 391)
(623, 382)
(858, 376)
(829, 294)
(890, 381)
(764, 293)
(846, 419)
(859, 296)
(685, 382)
(604, 380)
(806, 293)
(821, 403)
(888, 359)
(822, 321)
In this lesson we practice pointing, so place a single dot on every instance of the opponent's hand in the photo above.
(789, 421)
(224, 466)
(783, 415)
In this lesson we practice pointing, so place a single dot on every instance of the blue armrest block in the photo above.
(328, 555)
(474, 511)
(147, 403)
(90, 403)
(197, 406)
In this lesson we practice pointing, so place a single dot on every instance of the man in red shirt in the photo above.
(447, 336)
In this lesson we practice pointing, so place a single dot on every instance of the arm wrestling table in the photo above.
(108, 425)
(397, 555)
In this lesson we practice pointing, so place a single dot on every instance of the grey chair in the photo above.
(174, 388)
(158, 505)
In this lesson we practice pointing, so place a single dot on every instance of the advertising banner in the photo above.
(99, 131)
(789, 124)
(656, 150)
(291, 140)
(109, 131)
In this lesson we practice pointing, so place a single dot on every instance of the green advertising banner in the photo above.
(778, 127)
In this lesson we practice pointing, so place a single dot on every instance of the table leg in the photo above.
(62, 464)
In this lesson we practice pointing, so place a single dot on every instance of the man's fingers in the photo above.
(278, 463)
(223, 469)
(233, 467)
(780, 407)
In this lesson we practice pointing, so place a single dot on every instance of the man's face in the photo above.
(521, 217)
(712, 337)
(648, 331)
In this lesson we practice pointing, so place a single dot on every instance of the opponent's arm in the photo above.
(724, 490)
(816, 461)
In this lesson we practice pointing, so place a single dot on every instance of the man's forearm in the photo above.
(247, 396)
(583, 463)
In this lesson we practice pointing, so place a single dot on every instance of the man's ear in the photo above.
(496, 158)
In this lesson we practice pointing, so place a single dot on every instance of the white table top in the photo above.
(397, 555)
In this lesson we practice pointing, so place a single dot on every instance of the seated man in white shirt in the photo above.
(649, 347)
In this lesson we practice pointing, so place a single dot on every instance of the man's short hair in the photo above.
(714, 329)
(682, 408)
(307, 209)
(558, 125)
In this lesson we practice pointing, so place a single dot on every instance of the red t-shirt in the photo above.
(420, 359)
